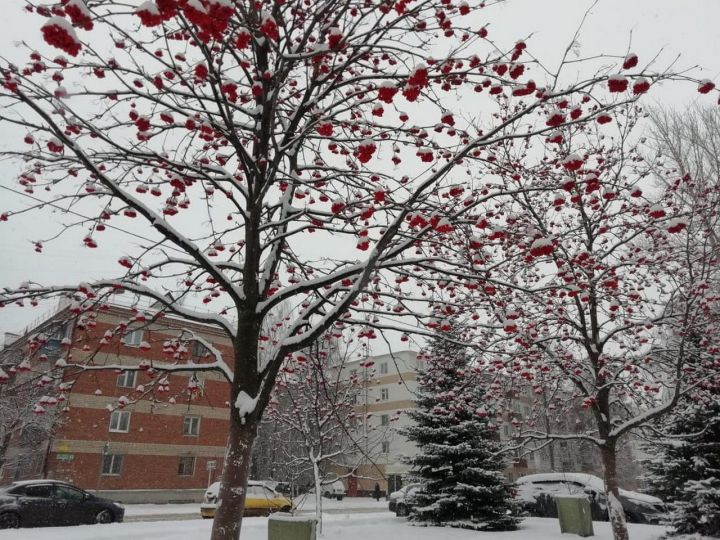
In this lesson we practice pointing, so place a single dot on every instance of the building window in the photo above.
(191, 426)
(186, 466)
(384, 420)
(383, 368)
(386, 447)
(198, 349)
(120, 421)
(59, 331)
(133, 338)
(353, 373)
(112, 464)
(384, 394)
(127, 379)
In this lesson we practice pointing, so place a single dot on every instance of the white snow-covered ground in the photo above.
(306, 503)
(132, 510)
(303, 503)
(378, 526)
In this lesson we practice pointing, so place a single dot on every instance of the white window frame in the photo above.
(133, 337)
(115, 459)
(385, 447)
(384, 420)
(192, 469)
(194, 421)
(384, 394)
(116, 417)
(122, 380)
(384, 368)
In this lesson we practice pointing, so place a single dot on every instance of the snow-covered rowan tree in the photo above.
(591, 279)
(29, 414)
(30, 404)
(459, 461)
(316, 399)
(274, 456)
(235, 135)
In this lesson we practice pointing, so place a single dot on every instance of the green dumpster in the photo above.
(283, 526)
(574, 514)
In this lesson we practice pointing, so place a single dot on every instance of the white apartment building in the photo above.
(390, 384)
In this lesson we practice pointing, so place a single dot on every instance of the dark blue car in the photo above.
(50, 503)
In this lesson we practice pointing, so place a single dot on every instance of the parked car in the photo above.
(536, 493)
(334, 490)
(399, 495)
(405, 500)
(260, 500)
(51, 503)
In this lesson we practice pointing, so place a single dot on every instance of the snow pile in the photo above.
(245, 404)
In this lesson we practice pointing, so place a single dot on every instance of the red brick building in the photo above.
(166, 443)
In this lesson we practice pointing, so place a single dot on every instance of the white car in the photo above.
(406, 499)
(334, 490)
(331, 490)
(536, 492)
(399, 497)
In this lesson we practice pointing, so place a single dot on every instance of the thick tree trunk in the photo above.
(612, 491)
(235, 475)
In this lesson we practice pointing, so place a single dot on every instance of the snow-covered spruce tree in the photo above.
(458, 463)
(685, 472)
(685, 468)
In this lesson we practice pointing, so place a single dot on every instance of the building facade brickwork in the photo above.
(161, 440)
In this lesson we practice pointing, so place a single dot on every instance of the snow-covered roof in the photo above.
(588, 480)
(214, 488)
(39, 481)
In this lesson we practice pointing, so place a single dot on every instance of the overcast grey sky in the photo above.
(688, 28)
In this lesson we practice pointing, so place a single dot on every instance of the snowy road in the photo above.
(378, 526)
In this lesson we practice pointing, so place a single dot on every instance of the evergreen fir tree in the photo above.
(685, 472)
(457, 464)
